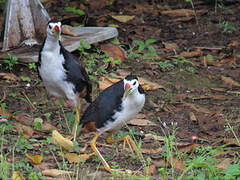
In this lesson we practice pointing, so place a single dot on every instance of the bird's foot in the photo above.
(132, 146)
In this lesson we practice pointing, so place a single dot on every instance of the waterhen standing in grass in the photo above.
(111, 110)
(62, 74)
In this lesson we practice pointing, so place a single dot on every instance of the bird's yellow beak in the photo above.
(127, 90)
(56, 31)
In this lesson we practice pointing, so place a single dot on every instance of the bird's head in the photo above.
(54, 28)
(131, 85)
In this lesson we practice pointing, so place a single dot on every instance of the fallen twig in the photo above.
(31, 104)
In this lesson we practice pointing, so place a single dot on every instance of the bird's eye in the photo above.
(50, 27)
(134, 83)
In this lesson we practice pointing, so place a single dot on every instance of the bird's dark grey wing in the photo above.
(105, 105)
(76, 73)
(39, 59)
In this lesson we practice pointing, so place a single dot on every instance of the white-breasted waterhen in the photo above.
(61, 72)
(111, 110)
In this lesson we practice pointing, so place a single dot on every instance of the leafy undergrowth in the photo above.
(189, 126)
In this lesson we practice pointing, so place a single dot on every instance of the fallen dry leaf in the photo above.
(189, 148)
(42, 166)
(17, 176)
(75, 158)
(34, 160)
(229, 81)
(27, 131)
(229, 60)
(182, 12)
(123, 18)
(153, 137)
(219, 89)
(224, 163)
(159, 163)
(47, 126)
(185, 54)
(4, 113)
(192, 117)
(66, 29)
(234, 44)
(9, 77)
(141, 122)
(105, 82)
(151, 151)
(232, 141)
(152, 169)
(150, 86)
(23, 118)
(198, 108)
(170, 46)
(175, 163)
(59, 140)
(114, 51)
(55, 172)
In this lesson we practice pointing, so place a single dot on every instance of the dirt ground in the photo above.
(199, 96)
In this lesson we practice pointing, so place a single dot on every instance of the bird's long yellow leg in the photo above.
(76, 122)
(133, 147)
(105, 164)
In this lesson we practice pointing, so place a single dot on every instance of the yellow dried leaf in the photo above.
(59, 140)
(123, 18)
(192, 117)
(150, 86)
(75, 158)
(34, 159)
(72, 157)
(154, 137)
(17, 176)
(55, 172)
(9, 77)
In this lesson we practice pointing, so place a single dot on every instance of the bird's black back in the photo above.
(76, 73)
(105, 105)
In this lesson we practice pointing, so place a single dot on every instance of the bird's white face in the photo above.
(54, 29)
(130, 86)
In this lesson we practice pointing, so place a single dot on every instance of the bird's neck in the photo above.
(52, 43)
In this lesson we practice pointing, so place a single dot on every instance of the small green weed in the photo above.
(142, 50)
(25, 78)
(75, 11)
(11, 61)
(32, 65)
(165, 65)
(22, 145)
(92, 60)
(227, 26)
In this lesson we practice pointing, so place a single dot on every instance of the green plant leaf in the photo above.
(75, 11)
(149, 41)
(25, 78)
(141, 45)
